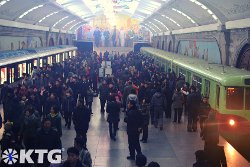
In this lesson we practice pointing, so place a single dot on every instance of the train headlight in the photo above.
(231, 122)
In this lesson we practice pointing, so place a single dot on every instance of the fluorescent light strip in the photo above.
(3, 2)
(79, 27)
(51, 14)
(30, 10)
(185, 15)
(68, 23)
(147, 29)
(60, 20)
(172, 20)
(162, 24)
(205, 8)
(151, 27)
(75, 25)
(155, 26)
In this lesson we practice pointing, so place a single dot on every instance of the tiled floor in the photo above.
(172, 147)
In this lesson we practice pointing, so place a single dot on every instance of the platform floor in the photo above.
(172, 147)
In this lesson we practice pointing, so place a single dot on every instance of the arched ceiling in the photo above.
(157, 15)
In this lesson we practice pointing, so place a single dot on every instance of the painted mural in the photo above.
(207, 50)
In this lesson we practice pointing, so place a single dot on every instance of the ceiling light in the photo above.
(162, 24)
(68, 23)
(60, 20)
(185, 15)
(75, 25)
(48, 16)
(3, 2)
(172, 20)
(155, 26)
(30, 10)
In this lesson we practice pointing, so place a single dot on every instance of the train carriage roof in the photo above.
(229, 76)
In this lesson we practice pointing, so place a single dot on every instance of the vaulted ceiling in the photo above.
(156, 15)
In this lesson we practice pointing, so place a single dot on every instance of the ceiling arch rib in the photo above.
(150, 27)
(172, 20)
(162, 24)
(155, 26)
(30, 10)
(3, 2)
(186, 16)
(74, 25)
(59, 21)
(67, 24)
(80, 25)
(147, 28)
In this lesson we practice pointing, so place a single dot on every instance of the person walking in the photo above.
(68, 106)
(177, 104)
(134, 124)
(113, 110)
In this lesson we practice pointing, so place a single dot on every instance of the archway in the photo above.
(67, 41)
(60, 41)
(170, 46)
(244, 58)
(162, 46)
(51, 42)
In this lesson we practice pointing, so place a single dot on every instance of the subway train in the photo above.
(228, 89)
(14, 63)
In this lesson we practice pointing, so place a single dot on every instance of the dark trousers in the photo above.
(168, 111)
(177, 113)
(68, 117)
(82, 134)
(192, 122)
(89, 105)
(145, 132)
(113, 126)
(202, 120)
(134, 144)
(152, 117)
(103, 102)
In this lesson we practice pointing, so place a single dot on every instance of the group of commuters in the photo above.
(34, 107)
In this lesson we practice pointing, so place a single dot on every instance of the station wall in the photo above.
(17, 38)
(222, 47)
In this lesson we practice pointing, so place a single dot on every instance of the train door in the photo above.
(217, 96)
(70, 54)
(63, 57)
(189, 77)
(54, 58)
(3, 74)
(45, 61)
(11, 74)
(29, 67)
(35, 62)
(41, 62)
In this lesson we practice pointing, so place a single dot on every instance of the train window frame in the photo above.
(207, 88)
(196, 83)
(4, 77)
(247, 105)
(230, 104)
(182, 72)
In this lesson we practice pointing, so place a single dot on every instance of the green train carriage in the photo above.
(228, 88)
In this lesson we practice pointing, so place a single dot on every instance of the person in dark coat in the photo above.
(177, 104)
(29, 127)
(4, 92)
(200, 159)
(193, 103)
(141, 93)
(90, 98)
(204, 112)
(215, 156)
(113, 110)
(68, 106)
(47, 138)
(34, 101)
(81, 118)
(103, 89)
(134, 125)
(52, 100)
(73, 158)
(55, 118)
(126, 92)
(157, 106)
(146, 115)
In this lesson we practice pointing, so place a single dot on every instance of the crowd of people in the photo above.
(142, 90)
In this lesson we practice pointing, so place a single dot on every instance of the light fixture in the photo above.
(3, 2)
(149, 27)
(68, 23)
(172, 20)
(205, 8)
(185, 15)
(162, 24)
(30, 10)
(75, 25)
(51, 14)
(60, 21)
(231, 122)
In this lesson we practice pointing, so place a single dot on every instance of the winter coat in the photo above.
(29, 127)
(141, 93)
(126, 92)
(103, 89)
(113, 110)
(178, 100)
(145, 113)
(68, 105)
(56, 122)
(204, 110)
(67, 164)
(90, 96)
(81, 118)
(132, 97)
(158, 103)
(49, 103)
(193, 102)
(85, 158)
(134, 121)
(215, 156)
(48, 139)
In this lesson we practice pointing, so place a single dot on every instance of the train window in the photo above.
(41, 63)
(207, 88)
(3, 75)
(182, 72)
(24, 68)
(247, 81)
(234, 98)
(197, 81)
(20, 70)
(247, 98)
(218, 96)
(35, 63)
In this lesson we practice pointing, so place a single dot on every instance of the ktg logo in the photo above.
(11, 156)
